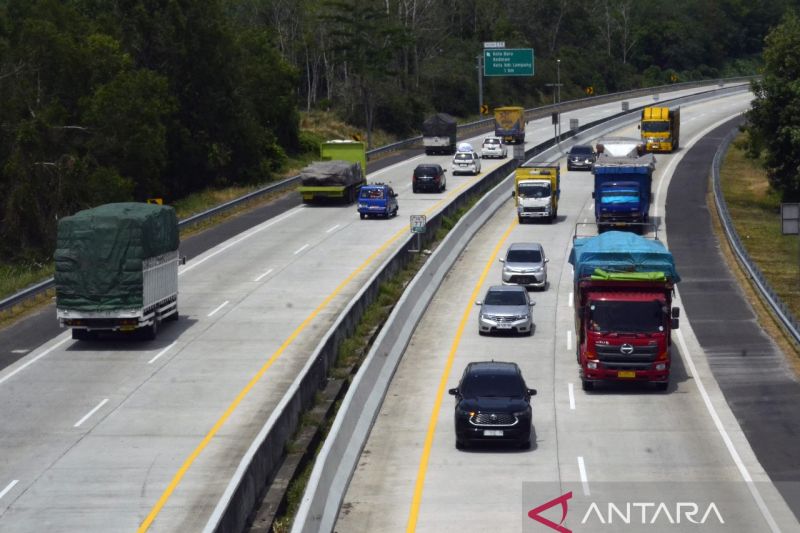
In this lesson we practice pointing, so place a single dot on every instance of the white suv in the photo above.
(493, 147)
(466, 162)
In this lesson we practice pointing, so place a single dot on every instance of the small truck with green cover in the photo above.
(116, 269)
(338, 177)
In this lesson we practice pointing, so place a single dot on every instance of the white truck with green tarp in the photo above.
(116, 269)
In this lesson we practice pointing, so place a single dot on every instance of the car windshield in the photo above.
(371, 193)
(524, 256)
(485, 384)
(505, 298)
(465, 157)
(581, 150)
(626, 317)
(619, 196)
(534, 191)
(657, 126)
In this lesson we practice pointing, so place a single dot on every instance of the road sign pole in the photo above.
(480, 81)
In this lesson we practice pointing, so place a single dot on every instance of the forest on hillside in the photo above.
(114, 100)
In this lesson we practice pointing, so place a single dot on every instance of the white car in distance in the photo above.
(493, 147)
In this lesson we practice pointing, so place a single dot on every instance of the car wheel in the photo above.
(414, 189)
(362, 215)
(587, 385)
(525, 444)
(461, 445)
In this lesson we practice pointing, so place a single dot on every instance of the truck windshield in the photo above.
(626, 317)
(619, 196)
(657, 126)
(533, 191)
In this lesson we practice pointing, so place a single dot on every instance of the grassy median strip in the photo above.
(755, 210)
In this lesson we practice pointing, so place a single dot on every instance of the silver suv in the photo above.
(505, 308)
(466, 162)
(525, 264)
(493, 147)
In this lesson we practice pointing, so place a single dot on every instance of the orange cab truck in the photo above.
(661, 128)
(623, 308)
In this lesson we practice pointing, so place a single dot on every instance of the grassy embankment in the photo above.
(755, 210)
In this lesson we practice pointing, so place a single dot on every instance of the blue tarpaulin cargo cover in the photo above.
(620, 251)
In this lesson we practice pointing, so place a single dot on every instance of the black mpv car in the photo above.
(429, 177)
(493, 403)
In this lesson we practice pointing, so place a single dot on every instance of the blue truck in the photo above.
(623, 191)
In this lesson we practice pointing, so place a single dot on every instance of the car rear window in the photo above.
(524, 256)
(371, 193)
(491, 141)
(464, 156)
(426, 171)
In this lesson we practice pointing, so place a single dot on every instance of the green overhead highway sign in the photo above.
(508, 62)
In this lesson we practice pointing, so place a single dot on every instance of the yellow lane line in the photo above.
(437, 405)
(173, 484)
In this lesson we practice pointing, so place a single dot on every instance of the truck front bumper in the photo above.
(655, 373)
(540, 212)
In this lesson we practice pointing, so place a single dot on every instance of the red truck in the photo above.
(623, 291)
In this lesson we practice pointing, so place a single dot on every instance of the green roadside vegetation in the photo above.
(755, 209)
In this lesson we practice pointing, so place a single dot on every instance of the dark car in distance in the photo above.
(493, 403)
(581, 156)
(429, 177)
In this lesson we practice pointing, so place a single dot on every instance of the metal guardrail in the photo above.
(530, 114)
(780, 309)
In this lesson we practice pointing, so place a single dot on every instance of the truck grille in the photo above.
(627, 354)
(493, 419)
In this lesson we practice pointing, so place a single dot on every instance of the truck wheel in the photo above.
(662, 386)
(587, 385)
(520, 219)
(83, 335)
(173, 317)
(150, 332)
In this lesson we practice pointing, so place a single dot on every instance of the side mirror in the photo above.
(676, 312)
(532, 304)
(531, 392)
(674, 323)
(444, 170)
(478, 302)
(513, 193)
(502, 260)
(453, 392)
(546, 260)
(638, 126)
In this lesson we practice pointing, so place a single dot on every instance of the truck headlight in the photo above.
(591, 365)
(661, 367)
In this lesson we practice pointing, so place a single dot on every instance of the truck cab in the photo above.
(660, 128)
(536, 192)
(377, 199)
(622, 190)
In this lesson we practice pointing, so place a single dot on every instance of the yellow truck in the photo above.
(339, 176)
(661, 128)
(536, 192)
(509, 123)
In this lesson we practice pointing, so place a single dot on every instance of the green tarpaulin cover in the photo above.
(99, 253)
(600, 274)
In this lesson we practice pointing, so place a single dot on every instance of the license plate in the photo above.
(626, 374)
(492, 432)
(503, 326)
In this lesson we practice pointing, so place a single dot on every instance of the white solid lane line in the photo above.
(265, 274)
(8, 488)
(20, 351)
(571, 397)
(90, 413)
(584, 478)
(29, 363)
(765, 512)
(331, 229)
(162, 352)
(306, 245)
(223, 304)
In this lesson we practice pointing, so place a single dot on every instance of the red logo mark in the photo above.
(534, 513)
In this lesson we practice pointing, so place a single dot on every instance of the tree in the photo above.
(775, 115)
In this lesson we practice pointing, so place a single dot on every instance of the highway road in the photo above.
(624, 445)
(120, 435)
